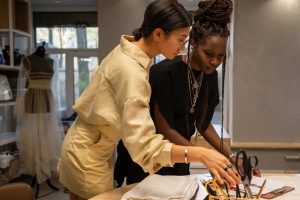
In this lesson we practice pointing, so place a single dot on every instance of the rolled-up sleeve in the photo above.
(145, 147)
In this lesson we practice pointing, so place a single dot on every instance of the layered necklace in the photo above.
(194, 85)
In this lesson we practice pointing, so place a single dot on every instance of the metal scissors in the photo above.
(245, 170)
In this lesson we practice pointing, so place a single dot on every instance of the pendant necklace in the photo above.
(194, 87)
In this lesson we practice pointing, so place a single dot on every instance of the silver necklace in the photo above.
(194, 87)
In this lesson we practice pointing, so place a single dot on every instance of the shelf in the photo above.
(21, 15)
(15, 33)
(8, 67)
(266, 145)
(4, 13)
(4, 30)
(7, 137)
(7, 103)
(21, 33)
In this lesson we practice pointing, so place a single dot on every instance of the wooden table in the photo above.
(115, 194)
(289, 179)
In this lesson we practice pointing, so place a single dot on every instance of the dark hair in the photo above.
(165, 14)
(211, 19)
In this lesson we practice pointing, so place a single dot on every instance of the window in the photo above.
(74, 51)
(68, 37)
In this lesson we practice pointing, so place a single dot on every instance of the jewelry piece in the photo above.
(194, 87)
(229, 166)
(186, 156)
(232, 155)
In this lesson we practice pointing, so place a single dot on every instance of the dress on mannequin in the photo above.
(39, 132)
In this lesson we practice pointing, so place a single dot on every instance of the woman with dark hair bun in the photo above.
(115, 105)
(185, 90)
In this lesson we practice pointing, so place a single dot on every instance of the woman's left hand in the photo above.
(256, 172)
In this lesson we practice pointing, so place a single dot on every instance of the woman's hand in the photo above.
(219, 166)
(256, 172)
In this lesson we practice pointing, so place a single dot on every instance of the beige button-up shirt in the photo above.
(114, 105)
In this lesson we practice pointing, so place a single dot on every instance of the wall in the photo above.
(117, 18)
(265, 82)
(122, 17)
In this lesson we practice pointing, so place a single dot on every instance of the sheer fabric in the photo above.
(39, 133)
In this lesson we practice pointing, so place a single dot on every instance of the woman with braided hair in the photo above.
(115, 105)
(185, 90)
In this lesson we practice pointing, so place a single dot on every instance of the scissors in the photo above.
(245, 170)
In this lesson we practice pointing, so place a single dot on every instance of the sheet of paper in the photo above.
(201, 193)
(256, 183)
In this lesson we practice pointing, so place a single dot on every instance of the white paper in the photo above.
(157, 187)
(201, 193)
(257, 182)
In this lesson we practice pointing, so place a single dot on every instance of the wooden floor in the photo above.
(46, 193)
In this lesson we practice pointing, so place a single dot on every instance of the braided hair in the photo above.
(211, 19)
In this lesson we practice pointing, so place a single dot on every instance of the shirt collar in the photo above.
(134, 51)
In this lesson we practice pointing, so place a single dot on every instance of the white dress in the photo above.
(39, 133)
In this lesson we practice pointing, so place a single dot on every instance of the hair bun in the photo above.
(137, 34)
(216, 11)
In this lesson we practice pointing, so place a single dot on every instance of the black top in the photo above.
(169, 83)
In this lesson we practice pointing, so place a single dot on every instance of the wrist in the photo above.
(232, 158)
(186, 156)
(201, 153)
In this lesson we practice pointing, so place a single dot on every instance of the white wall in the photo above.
(266, 71)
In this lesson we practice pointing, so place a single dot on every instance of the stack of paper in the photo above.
(157, 187)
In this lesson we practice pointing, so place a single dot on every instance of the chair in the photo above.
(16, 191)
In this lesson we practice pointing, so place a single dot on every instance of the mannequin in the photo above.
(39, 134)
(40, 71)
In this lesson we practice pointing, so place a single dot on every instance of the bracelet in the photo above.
(186, 156)
(231, 156)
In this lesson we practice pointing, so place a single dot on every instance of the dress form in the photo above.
(39, 134)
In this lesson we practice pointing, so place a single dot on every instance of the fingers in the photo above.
(221, 168)
(231, 175)
(256, 172)
(234, 174)
(217, 176)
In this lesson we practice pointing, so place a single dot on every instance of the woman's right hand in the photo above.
(219, 166)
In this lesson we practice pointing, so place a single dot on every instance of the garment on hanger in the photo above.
(39, 132)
